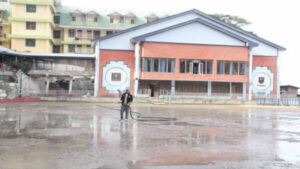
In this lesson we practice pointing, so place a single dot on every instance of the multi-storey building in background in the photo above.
(45, 26)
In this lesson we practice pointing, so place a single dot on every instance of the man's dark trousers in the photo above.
(124, 108)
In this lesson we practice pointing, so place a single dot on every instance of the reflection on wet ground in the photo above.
(85, 135)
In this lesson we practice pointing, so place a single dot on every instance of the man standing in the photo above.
(126, 99)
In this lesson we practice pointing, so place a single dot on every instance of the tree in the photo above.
(232, 20)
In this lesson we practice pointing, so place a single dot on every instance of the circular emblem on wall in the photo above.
(116, 76)
(262, 81)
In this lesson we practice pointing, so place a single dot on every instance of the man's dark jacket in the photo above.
(129, 98)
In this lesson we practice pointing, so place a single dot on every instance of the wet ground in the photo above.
(51, 135)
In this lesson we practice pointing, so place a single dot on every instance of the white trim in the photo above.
(278, 74)
(137, 67)
(250, 74)
(97, 64)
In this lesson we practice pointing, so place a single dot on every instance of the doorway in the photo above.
(154, 90)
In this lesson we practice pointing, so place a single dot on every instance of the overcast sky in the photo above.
(275, 20)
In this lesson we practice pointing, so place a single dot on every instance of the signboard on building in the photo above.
(262, 81)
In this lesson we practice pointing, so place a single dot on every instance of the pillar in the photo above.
(244, 90)
(209, 88)
(173, 87)
(47, 85)
(278, 74)
(70, 85)
(34, 63)
(137, 67)
(97, 69)
(250, 73)
(230, 90)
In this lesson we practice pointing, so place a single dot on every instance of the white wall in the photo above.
(196, 33)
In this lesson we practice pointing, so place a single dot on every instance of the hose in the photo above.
(139, 117)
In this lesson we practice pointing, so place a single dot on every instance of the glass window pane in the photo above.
(147, 65)
(234, 68)
(242, 68)
(227, 67)
(209, 67)
(163, 65)
(182, 66)
(171, 65)
(220, 67)
(189, 66)
(203, 66)
(155, 65)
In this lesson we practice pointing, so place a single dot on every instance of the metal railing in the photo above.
(62, 93)
(285, 100)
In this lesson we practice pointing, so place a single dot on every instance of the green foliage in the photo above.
(233, 20)
(22, 64)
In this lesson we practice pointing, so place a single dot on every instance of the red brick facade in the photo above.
(115, 55)
(271, 63)
(189, 51)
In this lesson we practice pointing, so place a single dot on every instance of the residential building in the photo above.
(4, 24)
(45, 26)
(289, 91)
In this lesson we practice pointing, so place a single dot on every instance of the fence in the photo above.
(63, 93)
(286, 100)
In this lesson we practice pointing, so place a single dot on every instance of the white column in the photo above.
(173, 87)
(250, 73)
(47, 85)
(209, 88)
(230, 90)
(97, 62)
(137, 67)
(278, 74)
(244, 90)
(70, 85)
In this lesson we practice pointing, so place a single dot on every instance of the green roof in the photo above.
(103, 18)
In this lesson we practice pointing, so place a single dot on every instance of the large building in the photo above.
(45, 26)
(187, 53)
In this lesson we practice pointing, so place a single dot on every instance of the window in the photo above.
(203, 67)
(132, 21)
(30, 25)
(56, 19)
(155, 65)
(96, 19)
(171, 65)
(163, 65)
(30, 42)
(242, 68)
(235, 68)
(79, 49)
(111, 20)
(209, 66)
(189, 66)
(56, 34)
(71, 33)
(182, 66)
(227, 67)
(71, 48)
(147, 65)
(89, 35)
(220, 67)
(73, 18)
(116, 77)
(109, 32)
(56, 49)
(96, 34)
(31, 8)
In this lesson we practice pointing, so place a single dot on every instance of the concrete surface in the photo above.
(66, 135)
